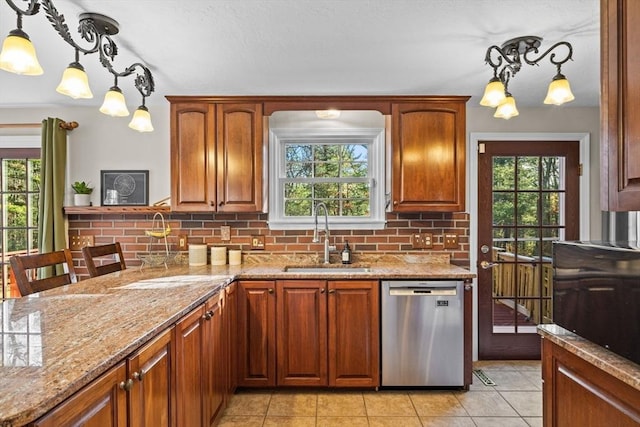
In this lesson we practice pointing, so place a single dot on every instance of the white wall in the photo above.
(103, 142)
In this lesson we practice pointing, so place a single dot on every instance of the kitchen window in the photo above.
(344, 168)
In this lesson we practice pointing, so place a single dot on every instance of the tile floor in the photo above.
(515, 400)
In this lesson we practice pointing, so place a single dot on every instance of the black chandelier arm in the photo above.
(87, 30)
(143, 81)
(32, 8)
(552, 58)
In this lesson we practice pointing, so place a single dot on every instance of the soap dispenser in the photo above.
(346, 253)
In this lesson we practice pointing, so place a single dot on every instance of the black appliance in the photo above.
(597, 293)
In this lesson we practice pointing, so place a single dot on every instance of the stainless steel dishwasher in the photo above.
(422, 333)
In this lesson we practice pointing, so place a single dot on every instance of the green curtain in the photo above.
(51, 222)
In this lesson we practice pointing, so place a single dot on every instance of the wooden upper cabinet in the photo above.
(216, 157)
(620, 105)
(193, 169)
(239, 151)
(428, 156)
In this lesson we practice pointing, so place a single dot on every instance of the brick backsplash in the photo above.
(128, 229)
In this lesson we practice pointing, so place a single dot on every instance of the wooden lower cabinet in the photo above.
(256, 333)
(149, 369)
(301, 330)
(103, 403)
(213, 360)
(138, 393)
(354, 333)
(577, 393)
(230, 318)
(327, 333)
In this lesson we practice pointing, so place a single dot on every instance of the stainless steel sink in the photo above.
(330, 269)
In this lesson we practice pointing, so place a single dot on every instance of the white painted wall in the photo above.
(102, 142)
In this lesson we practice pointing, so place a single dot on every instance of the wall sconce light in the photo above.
(19, 56)
(507, 60)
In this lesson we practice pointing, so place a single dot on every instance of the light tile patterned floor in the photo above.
(515, 401)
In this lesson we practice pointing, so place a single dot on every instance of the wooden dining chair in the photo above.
(103, 259)
(23, 267)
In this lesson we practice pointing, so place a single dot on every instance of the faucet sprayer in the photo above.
(316, 239)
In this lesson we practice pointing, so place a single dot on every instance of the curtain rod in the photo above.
(63, 125)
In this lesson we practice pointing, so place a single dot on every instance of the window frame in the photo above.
(279, 137)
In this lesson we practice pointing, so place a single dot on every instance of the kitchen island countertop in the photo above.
(57, 341)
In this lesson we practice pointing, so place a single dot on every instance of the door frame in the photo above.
(472, 194)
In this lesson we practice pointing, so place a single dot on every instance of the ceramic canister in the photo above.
(218, 255)
(197, 254)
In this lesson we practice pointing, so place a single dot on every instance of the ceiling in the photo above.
(313, 47)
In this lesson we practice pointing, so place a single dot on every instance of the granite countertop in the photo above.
(617, 366)
(57, 341)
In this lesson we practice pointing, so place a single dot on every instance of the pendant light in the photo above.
(559, 91)
(114, 104)
(507, 108)
(141, 120)
(508, 59)
(75, 82)
(18, 55)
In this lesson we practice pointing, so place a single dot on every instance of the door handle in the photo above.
(485, 265)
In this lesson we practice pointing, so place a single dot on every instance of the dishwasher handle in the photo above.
(423, 291)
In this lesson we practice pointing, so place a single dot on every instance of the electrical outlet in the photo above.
(257, 242)
(225, 233)
(451, 241)
(77, 242)
(427, 240)
(422, 241)
(182, 242)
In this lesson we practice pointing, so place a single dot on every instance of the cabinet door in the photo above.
(102, 403)
(428, 148)
(256, 333)
(354, 334)
(239, 149)
(193, 166)
(577, 393)
(150, 397)
(188, 368)
(620, 115)
(213, 359)
(301, 318)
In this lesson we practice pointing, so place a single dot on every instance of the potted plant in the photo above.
(83, 193)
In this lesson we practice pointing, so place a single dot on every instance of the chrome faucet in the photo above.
(327, 247)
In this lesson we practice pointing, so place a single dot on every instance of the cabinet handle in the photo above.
(208, 315)
(270, 290)
(138, 375)
(332, 291)
(126, 385)
(395, 203)
(322, 290)
(212, 203)
(467, 287)
(221, 204)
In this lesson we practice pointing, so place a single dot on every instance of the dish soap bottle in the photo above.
(346, 253)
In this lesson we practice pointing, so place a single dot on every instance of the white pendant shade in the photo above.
(507, 109)
(114, 104)
(559, 91)
(19, 56)
(75, 82)
(141, 120)
(493, 94)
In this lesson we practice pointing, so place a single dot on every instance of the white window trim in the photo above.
(279, 136)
